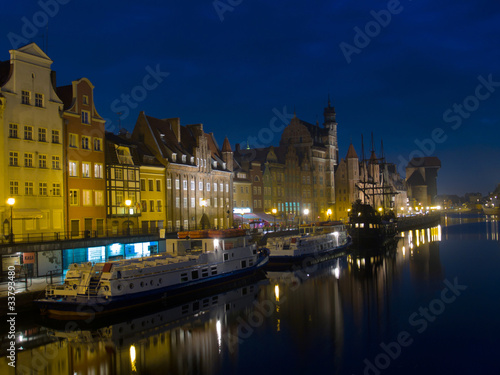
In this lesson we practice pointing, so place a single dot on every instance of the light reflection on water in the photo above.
(326, 318)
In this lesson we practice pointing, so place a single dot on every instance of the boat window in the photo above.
(362, 225)
(250, 263)
(194, 275)
(254, 251)
(185, 309)
(226, 256)
(243, 264)
(213, 269)
(204, 272)
(131, 286)
(184, 277)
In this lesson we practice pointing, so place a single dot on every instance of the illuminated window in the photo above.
(98, 170)
(85, 169)
(56, 189)
(73, 197)
(73, 168)
(14, 187)
(97, 144)
(73, 140)
(55, 136)
(28, 188)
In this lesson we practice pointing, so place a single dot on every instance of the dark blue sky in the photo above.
(407, 71)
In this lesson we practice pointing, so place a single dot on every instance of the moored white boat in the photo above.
(312, 242)
(188, 265)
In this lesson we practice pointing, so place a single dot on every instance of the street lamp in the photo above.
(306, 212)
(11, 202)
(329, 213)
(128, 203)
(203, 203)
(274, 211)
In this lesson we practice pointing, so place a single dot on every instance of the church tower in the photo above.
(331, 124)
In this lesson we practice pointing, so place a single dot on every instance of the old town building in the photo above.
(31, 157)
(85, 184)
(198, 175)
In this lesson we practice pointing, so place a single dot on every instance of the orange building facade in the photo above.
(85, 183)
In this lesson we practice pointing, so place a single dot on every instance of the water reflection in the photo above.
(338, 309)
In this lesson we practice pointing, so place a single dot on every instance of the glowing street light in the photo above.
(306, 212)
(329, 213)
(128, 203)
(11, 202)
(274, 211)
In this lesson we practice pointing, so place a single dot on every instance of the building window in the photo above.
(25, 97)
(144, 206)
(42, 188)
(151, 206)
(85, 170)
(193, 202)
(85, 99)
(28, 132)
(99, 198)
(28, 188)
(14, 187)
(38, 100)
(42, 135)
(221, 187)
(13, 131)
(73, 197)
(98, 170)
(143, 184)
(42, 161)
(118, 174)
(208, 186)
(97, 144)
(184, 185)
(177, 184)
(73, 168)
(119, 198)
(73, 140)
(87, 197)
(13, 158)
(151, 185)
(55, 136)
(200, 186)
(192, 185)
(177, 202)
(56, 189)
(215, 186)
(85, 142)
(158, 206)
(227, 188)
(28, 159)
(56, 162)
(158, 185)
(185, 202)
(215, 202)
(169, 183)
(85, 117)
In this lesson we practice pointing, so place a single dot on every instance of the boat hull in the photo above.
(280, 261)
(88, 308)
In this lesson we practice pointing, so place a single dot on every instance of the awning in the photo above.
(26, 213)
(267, 217)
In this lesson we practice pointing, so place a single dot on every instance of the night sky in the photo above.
(422, 75)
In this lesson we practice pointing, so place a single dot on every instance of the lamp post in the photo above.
(203, 204)
(128, 203)
(306, 212)
(11, 202)
(329, 213)
(274, 211)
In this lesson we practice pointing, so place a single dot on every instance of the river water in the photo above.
(427, 305)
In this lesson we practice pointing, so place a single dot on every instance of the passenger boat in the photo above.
(492, 207)
(189, 264)
(312, 243)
